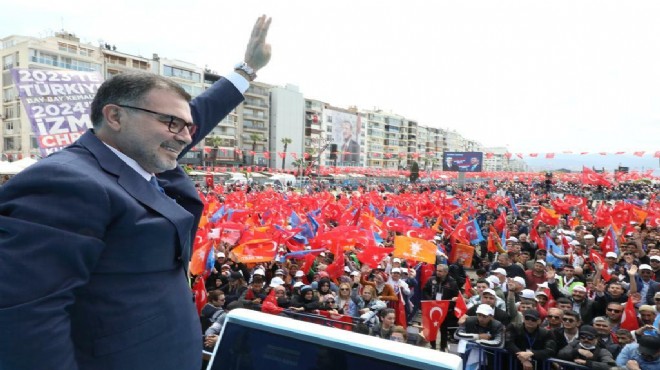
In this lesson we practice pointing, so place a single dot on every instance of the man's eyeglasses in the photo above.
(587, 336)
(174, 124)
(569, 320)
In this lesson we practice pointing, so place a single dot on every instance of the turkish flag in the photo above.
(468, 288)
(598, 259)
(372, 256)
(433, 315)
(201, 297)
(547, 216)
(500, 222)
(336, 268)
(591, 177)
(427, 271)
(629, 318)
(414, 249)
(400, 309)
(461, 307)
(200, 253)
(464, 231)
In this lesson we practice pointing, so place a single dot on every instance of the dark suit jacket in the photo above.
(351, 152)
(93, 259)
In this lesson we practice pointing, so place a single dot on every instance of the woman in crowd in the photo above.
(348, 300)
(386, 325)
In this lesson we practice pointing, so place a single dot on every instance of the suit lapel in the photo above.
(140, 189)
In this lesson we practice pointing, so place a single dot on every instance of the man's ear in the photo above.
(112, 115)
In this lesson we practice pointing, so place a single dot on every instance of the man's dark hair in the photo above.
(573, 314)
(130, 89)
(563, 300)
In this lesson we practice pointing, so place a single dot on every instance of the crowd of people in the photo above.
(542, 292)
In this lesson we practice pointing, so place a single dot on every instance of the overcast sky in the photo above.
(536, 76)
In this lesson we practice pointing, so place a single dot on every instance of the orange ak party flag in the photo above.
(414, 249)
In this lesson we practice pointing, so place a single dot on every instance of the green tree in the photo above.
(414, 172)
(286, 141)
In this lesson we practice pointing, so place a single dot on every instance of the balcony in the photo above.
(54, 63)
(254, 127)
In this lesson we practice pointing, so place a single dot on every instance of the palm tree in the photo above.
(216, 141)
(286, 141)
(255, 138)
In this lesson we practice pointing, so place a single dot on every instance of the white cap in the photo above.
(299, 273)
(298, 283)
(600, 239)
(542, 292)
(574, 242)
(355, 273)
(489, 291)
(579, 288)
(259, 272)
(527, 294)
(276, 282)
(655, 258)
(220, 255)
(512, 239)
(347, 269)
(520, 281)
(493, 281)
(395, 260)
(499, 271)
(485, 309)
(610, 254)
(396, 270)
(589, 236)
(645, 267)
(541, 262)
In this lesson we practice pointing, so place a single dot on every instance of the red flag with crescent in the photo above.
(433, 315)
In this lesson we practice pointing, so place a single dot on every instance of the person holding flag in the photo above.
(443, 287)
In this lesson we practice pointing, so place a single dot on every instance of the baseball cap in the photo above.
(645, 267)
(589, 236)
(489, 291)
(279, 272)
(541, 292)
(512, 239)
(235, 275)
(220, 255)
(610, 255)
(579, 288)
(494, 281)
(485, 309)
(648, 344)
(655, 258)
(347, 269)
(298, 283)
(259, 272)
(299, 273)
(541, 262)
(396, 270)
(520, 281)
(531, 313)
(527, 294)
(355, 273)
(395, 260)
(276, 282)
(499, 271)
(588, 329)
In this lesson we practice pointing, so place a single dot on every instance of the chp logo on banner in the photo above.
(57, 103)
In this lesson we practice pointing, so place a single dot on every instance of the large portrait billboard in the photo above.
(346, 136)
(462, 161)
(57, 103)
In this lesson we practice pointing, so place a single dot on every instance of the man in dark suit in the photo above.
(95, 239)
(350, 148)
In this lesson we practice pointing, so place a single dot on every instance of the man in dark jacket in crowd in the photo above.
(587, 351)
(442, 287)
(528, 341)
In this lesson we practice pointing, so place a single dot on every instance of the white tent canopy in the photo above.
(12, 168)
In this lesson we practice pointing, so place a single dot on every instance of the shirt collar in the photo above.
(131, 163)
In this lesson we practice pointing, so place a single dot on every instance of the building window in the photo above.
(181, 73)
(9, 126)
(9, 143)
